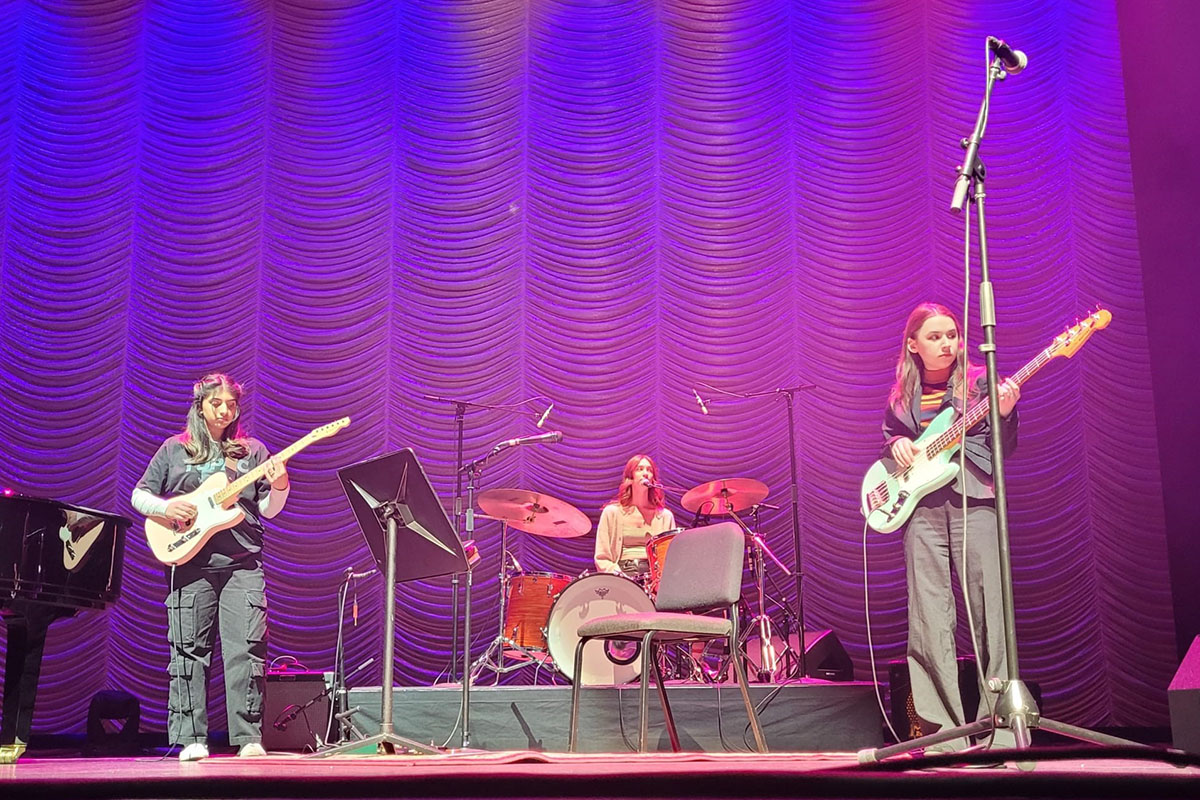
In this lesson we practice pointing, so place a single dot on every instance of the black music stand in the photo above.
(387, 495)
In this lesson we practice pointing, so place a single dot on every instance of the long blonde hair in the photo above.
(197, 441)
(909, 367)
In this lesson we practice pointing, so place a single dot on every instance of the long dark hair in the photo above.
(197, 441)
(625, 490)
(909, 367)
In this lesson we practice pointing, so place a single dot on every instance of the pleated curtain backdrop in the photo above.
(352, 205)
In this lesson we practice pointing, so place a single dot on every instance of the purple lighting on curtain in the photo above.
(604, 203)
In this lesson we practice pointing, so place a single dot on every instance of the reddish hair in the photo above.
(625, 490)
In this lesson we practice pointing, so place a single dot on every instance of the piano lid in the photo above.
(59, 554)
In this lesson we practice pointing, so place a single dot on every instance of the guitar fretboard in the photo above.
(954, 434)
(235, 488)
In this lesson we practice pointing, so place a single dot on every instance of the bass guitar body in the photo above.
(175, 546)
(888, 498)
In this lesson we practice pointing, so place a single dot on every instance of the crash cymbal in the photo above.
(536, 513)
(725, 495)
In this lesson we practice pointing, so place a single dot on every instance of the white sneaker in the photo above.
(251, 750)
(194, 752)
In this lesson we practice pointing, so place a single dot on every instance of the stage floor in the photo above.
(1051, 773)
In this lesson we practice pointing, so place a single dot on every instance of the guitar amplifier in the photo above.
(296, 710)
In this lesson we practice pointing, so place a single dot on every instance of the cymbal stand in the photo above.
(493, 658)
(767, 662)
(788, 395)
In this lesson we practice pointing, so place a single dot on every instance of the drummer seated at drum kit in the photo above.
(629, 523)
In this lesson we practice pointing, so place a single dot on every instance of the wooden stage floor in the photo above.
(1043, 773)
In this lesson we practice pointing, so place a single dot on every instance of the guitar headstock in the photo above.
(325, 431)
(1070, 340)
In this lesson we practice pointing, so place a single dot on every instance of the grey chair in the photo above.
(703, 572)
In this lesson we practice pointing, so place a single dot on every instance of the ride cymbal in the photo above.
(535, 512)
(725, 495)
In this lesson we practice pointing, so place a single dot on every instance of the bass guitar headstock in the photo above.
(1068, 342)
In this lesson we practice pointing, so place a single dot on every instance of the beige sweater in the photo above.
(623, 533)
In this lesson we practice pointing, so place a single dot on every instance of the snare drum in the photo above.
(530, 597)
(656, 550)
(589, 597)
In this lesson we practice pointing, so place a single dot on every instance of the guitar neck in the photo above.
(235, 488)
(955, 433)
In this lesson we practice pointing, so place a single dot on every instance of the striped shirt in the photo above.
(932, 395)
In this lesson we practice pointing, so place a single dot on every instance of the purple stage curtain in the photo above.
(352, 205)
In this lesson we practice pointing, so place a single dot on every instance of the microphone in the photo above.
(1012, 59)
(542, 420)
(700, 400)
(351, 575)
(541, 438)
(649, 484)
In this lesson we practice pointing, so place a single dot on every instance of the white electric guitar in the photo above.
(889, 497)
(216, 505)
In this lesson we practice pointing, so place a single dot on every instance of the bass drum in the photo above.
(590, 597)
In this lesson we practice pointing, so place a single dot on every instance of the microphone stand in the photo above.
(1015, 708)
(789, 397)
(460, 413)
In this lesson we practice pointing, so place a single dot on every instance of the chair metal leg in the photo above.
(578, 673)
(666, 705)
(648, 655)
(739, 670)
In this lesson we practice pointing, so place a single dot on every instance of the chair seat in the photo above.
(685, 624)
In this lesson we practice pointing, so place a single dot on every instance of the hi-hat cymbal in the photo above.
(725, 495)
(536, 513)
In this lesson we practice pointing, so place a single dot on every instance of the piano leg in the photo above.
(26, 643)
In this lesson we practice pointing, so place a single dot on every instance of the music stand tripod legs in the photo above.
(387, 740)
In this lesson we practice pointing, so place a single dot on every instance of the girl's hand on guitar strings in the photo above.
(903, 451)
(1009, 394)
(180, 512)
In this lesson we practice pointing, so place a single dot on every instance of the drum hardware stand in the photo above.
(788, 394)
(789, 659)
(767, 663)
(493, 658)
(1015, 708)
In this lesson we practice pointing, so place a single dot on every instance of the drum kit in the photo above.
(540, 612)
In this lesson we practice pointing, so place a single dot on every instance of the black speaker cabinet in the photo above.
(824, 656)
(295, 714)
(1183, 700)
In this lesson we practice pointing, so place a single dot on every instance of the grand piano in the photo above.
(55, 559)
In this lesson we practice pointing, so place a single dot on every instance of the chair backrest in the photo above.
(703, 569)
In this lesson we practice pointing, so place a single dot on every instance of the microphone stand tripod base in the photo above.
(1016, 711)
